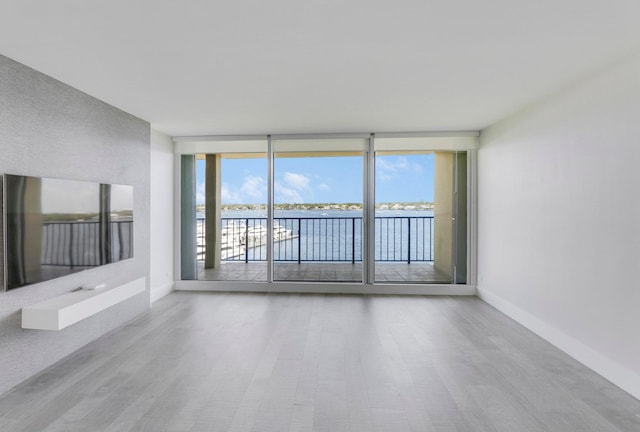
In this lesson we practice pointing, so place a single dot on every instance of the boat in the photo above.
(230, 245)
(254, 236)
(257, 235)
(281, 233)
(236, 237)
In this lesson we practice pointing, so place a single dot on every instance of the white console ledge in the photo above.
(60, 312)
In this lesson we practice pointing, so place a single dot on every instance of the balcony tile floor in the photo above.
(324, 272)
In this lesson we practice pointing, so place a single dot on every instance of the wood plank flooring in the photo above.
(298, 363)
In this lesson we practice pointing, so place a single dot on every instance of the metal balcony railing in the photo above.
(323, 239)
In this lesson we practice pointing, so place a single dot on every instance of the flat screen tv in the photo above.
(54, 227)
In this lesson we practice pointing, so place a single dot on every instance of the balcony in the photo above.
(323, 249)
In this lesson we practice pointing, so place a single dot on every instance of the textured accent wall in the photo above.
(49, 129)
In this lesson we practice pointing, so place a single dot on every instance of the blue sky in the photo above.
(399, 178)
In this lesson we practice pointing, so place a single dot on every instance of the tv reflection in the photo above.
(57, 227)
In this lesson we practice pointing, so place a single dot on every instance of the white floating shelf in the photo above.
(60, 312)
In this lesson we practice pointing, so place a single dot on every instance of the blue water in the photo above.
(336, 235)
(319, 213)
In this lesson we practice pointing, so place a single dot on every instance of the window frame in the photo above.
(271, 144)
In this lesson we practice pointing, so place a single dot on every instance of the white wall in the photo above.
(162, 211)
(559, 220)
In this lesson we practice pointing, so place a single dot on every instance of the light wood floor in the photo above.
(289, 362)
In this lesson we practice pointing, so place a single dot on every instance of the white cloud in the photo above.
(296, 181)
(252, 190)
(286, 194)
(292, 188)
(200, 195)
(387, 169)
(400, 164)
(254, 187)
(229, 195)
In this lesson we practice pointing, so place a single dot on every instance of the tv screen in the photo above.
(54, 227)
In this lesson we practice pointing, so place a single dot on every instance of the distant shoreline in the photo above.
(325, 206)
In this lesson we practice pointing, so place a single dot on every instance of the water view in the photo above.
(323, 235)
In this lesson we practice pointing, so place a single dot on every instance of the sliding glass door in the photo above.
(317, 217)
(420, 211)
(404, 218)
(224, 212)
(419, 236)
(232, 217)
(356, 209)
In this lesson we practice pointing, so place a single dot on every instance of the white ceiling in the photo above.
(193, 67)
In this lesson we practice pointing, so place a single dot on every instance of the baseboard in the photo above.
(161, 291)
(619, 375)
(326, 288)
